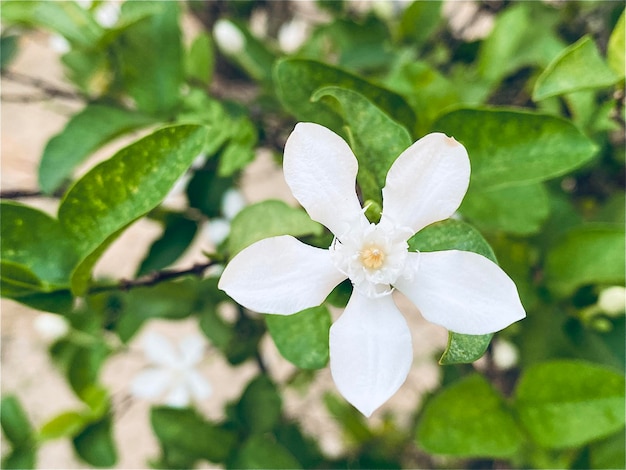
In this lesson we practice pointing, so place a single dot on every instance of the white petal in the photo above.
(197, 385)
(321, 171)
(426, 183)
(159, 350)
(370, 351)
(178, 396)
(280, 275)
(462, 291)
(151, 383)
(191, 349)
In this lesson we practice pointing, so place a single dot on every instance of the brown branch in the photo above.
(156, 277)
(49, 90)
(19, 193)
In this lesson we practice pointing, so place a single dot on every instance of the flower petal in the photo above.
(197, 385)
(280, 275)
(151, 383)
(370, 351)
(426, 183)
(159, 350)
(191, 349)
(321, 171)
(178, 396)
(462, 291)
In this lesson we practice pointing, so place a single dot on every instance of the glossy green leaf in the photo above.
(302, 338)
(95, 444)
(463, 349)
(15, 424)
(37, 242)
(200, 60)
(151, 56)
(297, 79)
(593, 254)
(186, 431)
(376, 139)
(468, 419)
(85, 132)
(617, 46)
(578, 67)
(569, 403)
(120, 190)
(67, 424)
(510, 147)
(262, 451)
(519, 210)
(260, 406)
(277, 219)
(18, 280)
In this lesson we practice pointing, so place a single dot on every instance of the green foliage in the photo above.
(616, 47)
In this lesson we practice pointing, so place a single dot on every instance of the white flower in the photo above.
(612, 300)
(370, 343)
(108, 13)
(292, 35)
(229, 37)
(59, 44)
(218, 229)
(505, 354)
(174, 374)
(51, 327)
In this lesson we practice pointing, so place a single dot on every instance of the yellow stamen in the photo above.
(372, 258)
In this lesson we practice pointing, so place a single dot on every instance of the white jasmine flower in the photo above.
(51, 327)
(108, 13)
(370, 343)
(292, 35)
(59, 44)
(218, 229)
(612, 300)
(229, 37)
(174, 376)
(505, 354)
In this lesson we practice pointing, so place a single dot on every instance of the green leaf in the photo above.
(519, 210)
(351, 420)
(151, 56)
(8, 49)
(593, 254)
(122, 189)
(617, 46)
(60, 301)
(95, 444)
(260, 405)
(85, 366)
(37, 242)
(419, 20)
(468, 419)
(67, 424)
(609, 453)
(200, 60)
(20, 459)
(15, 424)
(297, 79)
(578, 67)
(510, 147)
(17, 280)
(278, 219)
(262, 451)
(239, 151)
(569, 403)
(85, 132)
(302, 338)
(463, 349)
(186, 431)
(375, 151)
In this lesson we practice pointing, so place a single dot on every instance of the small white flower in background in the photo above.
(292, 35)
(228, 37)
(107, 13)
(59, 44)
(218, 229)
(173, 378)
(370, 344)
(612, 300)
(51, 327)
(505, 354)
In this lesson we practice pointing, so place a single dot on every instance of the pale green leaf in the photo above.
(120, 190)
(578, 67)
(569, 403)
(616, 48)
(509, 147)
(200, 60)
(268, 219)
(67, 424)
(302, 338)
(262, 451)
(468, 419)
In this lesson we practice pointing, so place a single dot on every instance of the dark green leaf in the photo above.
(278, 219)
(468, 419)
(85, 132)
(18, 280)
(120, 190)
(85, 366)
(298, 79)
(20, 459)
(375, 151)
(578, 67)
(8, 48)
(15, 424)
(511, 147)
(569, 403)
(261, 452)
(302, 338)
(95, 444)
(609, 452)
(593, 254)
(260, 405)
(186, 431)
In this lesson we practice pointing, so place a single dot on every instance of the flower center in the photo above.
(372, 257)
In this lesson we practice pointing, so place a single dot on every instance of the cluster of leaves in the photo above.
(541, 112)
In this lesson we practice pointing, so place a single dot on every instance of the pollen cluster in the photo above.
(372, 257)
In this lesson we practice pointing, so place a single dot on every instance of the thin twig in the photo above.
(19, 193)
(49, 89)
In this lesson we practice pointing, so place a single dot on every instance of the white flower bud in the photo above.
(229, 37)
(59, 44)
(51, 327)
(107, 14)
(505, 354)
(292, 35)
(232, 203)
(612, 300)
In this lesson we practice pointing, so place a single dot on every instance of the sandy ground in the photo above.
(26, 368)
